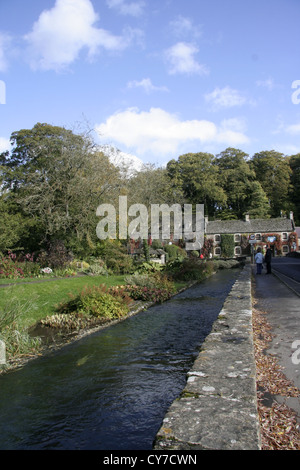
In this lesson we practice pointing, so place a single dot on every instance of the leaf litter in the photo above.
(278, 423)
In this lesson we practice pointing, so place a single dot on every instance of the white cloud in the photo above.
(225, 98)
(232, 131)
(127, 8)
(60, 34)
(162, 133)
(4, 144)
(293, 129)
(181, 59)
(268, 83)
(4, 43)
(183, 26)
(147, 85)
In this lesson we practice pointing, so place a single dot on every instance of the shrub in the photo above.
(79, 265)
(149, 268)
(97, 269)
(191, 270)
(226, 264)
(207, 248)
(152, 281)
(76, 321)
(174, 252)
(56, 256)
(117, 259)
(227, 245)
(149, 294)
(96, 301)
(10, 269)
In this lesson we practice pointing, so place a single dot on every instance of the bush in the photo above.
(10, 269)
(147, 294)
(174, 252)
(148, 268)
(98, 269)
(191, 270)
(96, 301)
(227, 245)
(117, 259)
(57, 256)
(78, 265)
(140, 280)
(13, 267)
(226, 264)
(151, 281)
(154, 287)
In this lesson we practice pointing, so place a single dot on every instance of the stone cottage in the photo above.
(279, 233)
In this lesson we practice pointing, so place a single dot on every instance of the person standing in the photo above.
(268, 258)
(259, 260)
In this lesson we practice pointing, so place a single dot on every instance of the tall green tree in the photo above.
(198, 178)
(59, 178)
(244, 194)
(295, 186)
(273, 172)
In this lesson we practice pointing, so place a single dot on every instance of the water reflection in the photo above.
(112, 389)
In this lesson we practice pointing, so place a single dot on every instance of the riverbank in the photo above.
(53, 339)
(50, 294)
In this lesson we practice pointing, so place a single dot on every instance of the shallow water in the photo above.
(111, 390)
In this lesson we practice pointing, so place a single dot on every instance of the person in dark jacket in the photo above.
(268, 258)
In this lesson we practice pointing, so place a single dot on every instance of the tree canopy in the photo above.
(53, 180)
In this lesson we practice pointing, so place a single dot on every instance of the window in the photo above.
(217, 251)
(285, 249)
(237, 237)
(217, 238)
(237, 251)
(284, 236)
(257, 236)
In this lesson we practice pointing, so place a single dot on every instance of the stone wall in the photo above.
(217, 409)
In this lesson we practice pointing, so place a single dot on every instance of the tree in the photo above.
(273, 172)
(295, 186)
(10, 226)
(59, 178)
(238, 182)
(227, 245)
(198, 178)
(256, 202)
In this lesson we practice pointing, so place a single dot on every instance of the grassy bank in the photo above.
(42, 297)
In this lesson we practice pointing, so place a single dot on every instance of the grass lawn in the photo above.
(44, 296)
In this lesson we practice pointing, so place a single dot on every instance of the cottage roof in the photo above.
(251, 226)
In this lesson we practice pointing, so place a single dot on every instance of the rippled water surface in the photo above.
(111, 390)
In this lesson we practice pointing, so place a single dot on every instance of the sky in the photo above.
(155, 78)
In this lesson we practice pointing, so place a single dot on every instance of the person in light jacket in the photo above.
(259, 260)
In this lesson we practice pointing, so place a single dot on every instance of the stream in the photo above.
(111, 390)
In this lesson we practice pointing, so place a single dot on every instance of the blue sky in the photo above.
(155, 78)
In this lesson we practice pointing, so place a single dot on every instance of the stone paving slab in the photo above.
(217, 409)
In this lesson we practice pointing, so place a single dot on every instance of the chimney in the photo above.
(292, 220)
(205, 223)
(247, 218)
